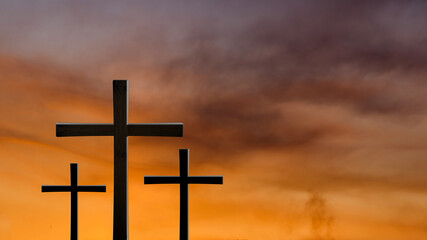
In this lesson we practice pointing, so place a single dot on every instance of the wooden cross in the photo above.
(183, 180)
(121, 129)
(74, 188)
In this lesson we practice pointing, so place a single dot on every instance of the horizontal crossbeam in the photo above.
(84, 129)
(106, 129)
(56, 188)
(188, 180)
(59, 188)
(205, 179)
(156, 129)
(93, 188)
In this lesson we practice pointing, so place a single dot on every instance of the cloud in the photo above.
(320, 218)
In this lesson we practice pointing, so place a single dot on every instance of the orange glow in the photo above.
(320, 131)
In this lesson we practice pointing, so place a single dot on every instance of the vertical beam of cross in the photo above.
(74, 188)
(183, 180)
(121, 209)
(121, 129)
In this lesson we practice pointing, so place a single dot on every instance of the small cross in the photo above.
(74, 188)
(183, 180)
(120, 129)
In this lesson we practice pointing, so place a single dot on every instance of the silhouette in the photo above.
(183, 180)
(121, 129)
(74, 188)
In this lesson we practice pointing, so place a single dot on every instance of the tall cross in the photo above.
(120, 129)
(74, 188)
(183, 180)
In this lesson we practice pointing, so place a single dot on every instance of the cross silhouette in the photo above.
(121, 129)
(74, 188)
(183, 180)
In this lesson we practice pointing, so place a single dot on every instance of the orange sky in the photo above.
(314, 113)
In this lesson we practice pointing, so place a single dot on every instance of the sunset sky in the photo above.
(315, 113)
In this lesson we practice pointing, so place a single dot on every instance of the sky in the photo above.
(314, 112)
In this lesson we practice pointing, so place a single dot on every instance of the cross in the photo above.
(74, 188)
(183, 180)
(120, 129)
